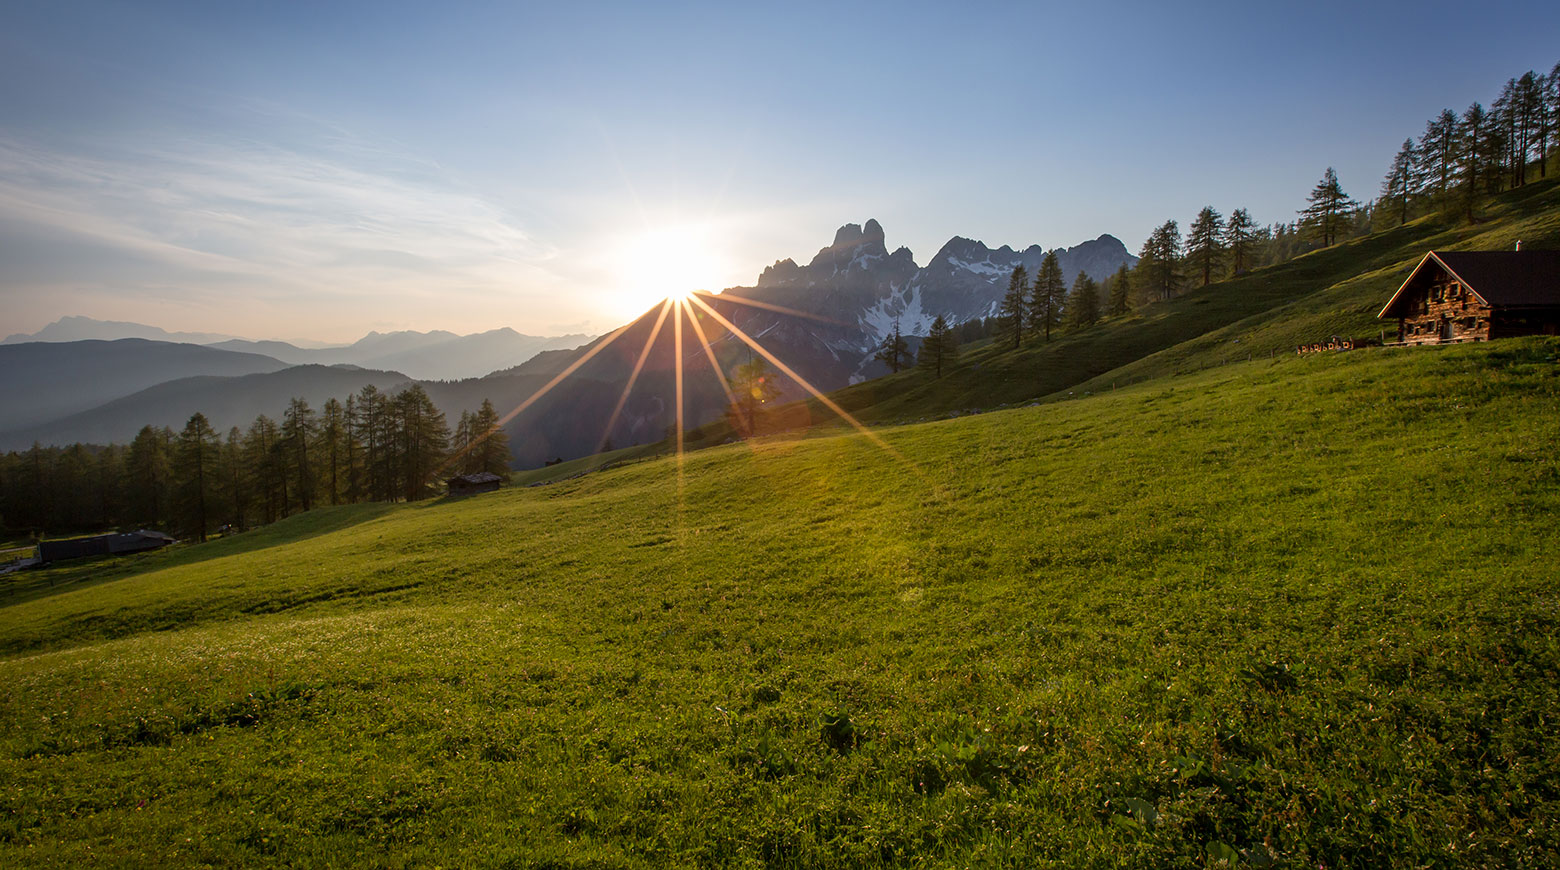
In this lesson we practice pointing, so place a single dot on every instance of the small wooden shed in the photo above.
(471, 484)
(1456, 296)
(102, 545)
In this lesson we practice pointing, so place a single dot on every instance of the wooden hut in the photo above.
(471, 484)
(1455, 296)
(102, 545)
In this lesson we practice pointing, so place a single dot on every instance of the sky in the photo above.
(314, 171)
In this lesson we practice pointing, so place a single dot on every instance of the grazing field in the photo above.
(1301, 612)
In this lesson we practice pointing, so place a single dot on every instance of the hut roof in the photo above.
(475, 479)
(1501, 279)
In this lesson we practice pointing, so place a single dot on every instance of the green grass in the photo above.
(587, 464)
(1301, 610)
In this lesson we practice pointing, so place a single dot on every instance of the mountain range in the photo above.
(824, 319)
(435, 356)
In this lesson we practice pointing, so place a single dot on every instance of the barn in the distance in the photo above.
(471, 484)
(1454, 296)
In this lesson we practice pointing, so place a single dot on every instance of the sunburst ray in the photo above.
(770, 306)
(633, 377)
(801, 381)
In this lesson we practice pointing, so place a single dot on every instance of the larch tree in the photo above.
(1437, 150)
(195, 468)
(1240, 237)
(1326, 209)
(490, 444)
(331, 448)
(1398, 186)
(1049, 297)
(939, 347)
(298, 430)
(1159, 262)
(424, 438)
(1083, 304)
(235, 479)
(1205, 243)
(149, 476)
(461, 444)
(262, 449)
(1012, 309)
(1472, 136)
(1120, 292)
(894, 352)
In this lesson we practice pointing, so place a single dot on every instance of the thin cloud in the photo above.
(359, 222)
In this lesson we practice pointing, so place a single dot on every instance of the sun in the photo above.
(670, 261)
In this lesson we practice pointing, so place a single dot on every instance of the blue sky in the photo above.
(304, 170)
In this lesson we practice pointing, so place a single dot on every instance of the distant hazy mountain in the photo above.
(436, 355)
(226, 402)
(41, 381)
(444, 356)
(76, 328)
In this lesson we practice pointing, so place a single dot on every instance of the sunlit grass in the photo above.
(1303, 609)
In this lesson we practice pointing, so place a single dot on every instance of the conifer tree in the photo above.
(1472, 135)
(1012, 309)
(1530, 111)
(1158, 265)
(1240, 236)
(1399, 183)
(1550, 114)
(1327, 207)
(1437, 148)
(234, 486)
(1205, 243)
(1048, 298)
(148, 477)
(1120, 292)
(462, 443)
(374, 432)
(491, 448)
(1083, 305)
(268, 477)
(894, 352)
(331, 449)
(298, 430)
(939, 347)
(354, 451)
(195, 468)
(424, 439)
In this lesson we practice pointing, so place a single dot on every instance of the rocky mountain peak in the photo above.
(872, 232)
(847, 236)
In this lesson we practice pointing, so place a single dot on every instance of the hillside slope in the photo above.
(1335, 291)
(1300, 610)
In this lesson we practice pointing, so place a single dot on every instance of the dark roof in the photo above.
(479, 477)
(102, 545)
(1502, 279)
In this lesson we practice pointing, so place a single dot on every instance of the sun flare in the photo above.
(668, 262)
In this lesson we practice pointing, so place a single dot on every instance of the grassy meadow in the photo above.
(1291, 612)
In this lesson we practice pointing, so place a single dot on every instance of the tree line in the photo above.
(374, 446)
(1456, 162)
(1459, 159)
